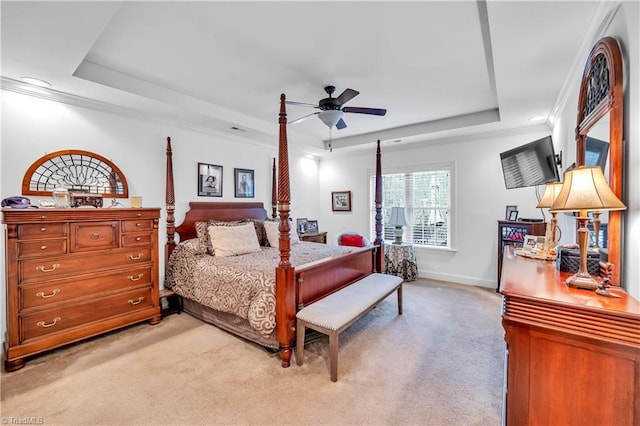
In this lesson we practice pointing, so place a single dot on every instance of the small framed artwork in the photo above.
(509, 214)
(534, 242)
(243, 183)
(312, 227)
(301, 225)
(341, 201)
(209, 180)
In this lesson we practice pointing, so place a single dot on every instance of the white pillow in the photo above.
(273, 234)
(233, 240)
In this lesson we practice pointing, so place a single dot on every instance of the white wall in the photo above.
(624, 26)
(32, 127)
(480, 201)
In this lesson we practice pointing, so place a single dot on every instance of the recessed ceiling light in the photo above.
(36, 81)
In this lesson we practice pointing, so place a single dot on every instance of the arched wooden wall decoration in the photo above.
(601, 93)
(76, 170)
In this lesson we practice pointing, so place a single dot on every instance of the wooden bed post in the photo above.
(170, 200)
(274, 192)
(285, 276)
(379, 242)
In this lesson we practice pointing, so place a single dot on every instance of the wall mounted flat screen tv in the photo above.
(530, 164)
(596, 152)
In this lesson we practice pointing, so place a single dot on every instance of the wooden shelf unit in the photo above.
(512, 233)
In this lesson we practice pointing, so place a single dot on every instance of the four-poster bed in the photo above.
(304, 271)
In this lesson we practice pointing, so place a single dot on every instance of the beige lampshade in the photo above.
(551, 192)
(586, 189)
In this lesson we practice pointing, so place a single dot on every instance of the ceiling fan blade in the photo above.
(346, 96)
(304, 117)
(341, 124)
(361, 110)
(301, 104)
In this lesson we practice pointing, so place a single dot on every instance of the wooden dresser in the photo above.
(75, 273)
(573, 357)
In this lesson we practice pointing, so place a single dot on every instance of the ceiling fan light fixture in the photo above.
(330, 117)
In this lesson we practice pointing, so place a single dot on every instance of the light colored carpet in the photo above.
(441, 363)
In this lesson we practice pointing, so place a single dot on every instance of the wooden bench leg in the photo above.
(300, 331)
(400, 300)
(333, 354)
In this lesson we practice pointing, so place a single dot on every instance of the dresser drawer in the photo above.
(70, 265)
(63, 318)
(137, 225)
(32, 231)
(42, 248)
(60, 291)
(92, 236)
(129, 240)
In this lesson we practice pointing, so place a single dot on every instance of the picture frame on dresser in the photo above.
(312, 227)
(509, 212)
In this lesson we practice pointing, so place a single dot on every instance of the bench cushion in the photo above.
(338, 309)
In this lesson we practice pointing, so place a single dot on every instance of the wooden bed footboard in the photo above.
(311, 282)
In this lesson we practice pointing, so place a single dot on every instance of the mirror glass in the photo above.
(597, 153)
(77, 171)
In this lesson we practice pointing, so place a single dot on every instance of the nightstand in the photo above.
(317, 237)
(400, 260)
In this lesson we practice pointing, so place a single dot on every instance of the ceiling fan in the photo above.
(331, 109)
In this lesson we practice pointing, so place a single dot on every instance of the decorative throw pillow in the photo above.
(352, 240)
(233, 240)
(273, 234)
(203, 237)
(212, 222)
(260, 232)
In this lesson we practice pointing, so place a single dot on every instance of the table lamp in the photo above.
(551, 192)
(585, 189)
(398, 220)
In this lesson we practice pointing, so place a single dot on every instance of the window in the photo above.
(427, 193)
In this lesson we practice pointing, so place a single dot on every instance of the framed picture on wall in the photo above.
(209, 180)
(244, 183)
(341, 201)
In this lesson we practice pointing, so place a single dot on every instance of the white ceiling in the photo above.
(439, 68)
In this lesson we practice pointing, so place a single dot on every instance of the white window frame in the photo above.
(449, 166)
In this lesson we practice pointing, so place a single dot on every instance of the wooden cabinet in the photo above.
(318, 237)
(76, 273)
(512, 233)
(573, 356)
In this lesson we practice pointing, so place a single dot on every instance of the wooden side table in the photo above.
(317, 237)
(400, 260)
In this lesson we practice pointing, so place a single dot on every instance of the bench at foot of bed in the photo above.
(336, 312)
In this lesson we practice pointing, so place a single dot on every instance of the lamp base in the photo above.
(584, 281)
(398, 240)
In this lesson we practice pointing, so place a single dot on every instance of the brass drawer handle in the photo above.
(136, 302)
(43, 229)
(46, 296)
(95, 236)
(43, 217)
(51, 324)
(132, 278)
(138, 225)
(43, 269)
(136, 257)
(43, 247)
(138, 238)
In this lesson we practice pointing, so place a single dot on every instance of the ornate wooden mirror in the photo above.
(600, 117)
(76, 170)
